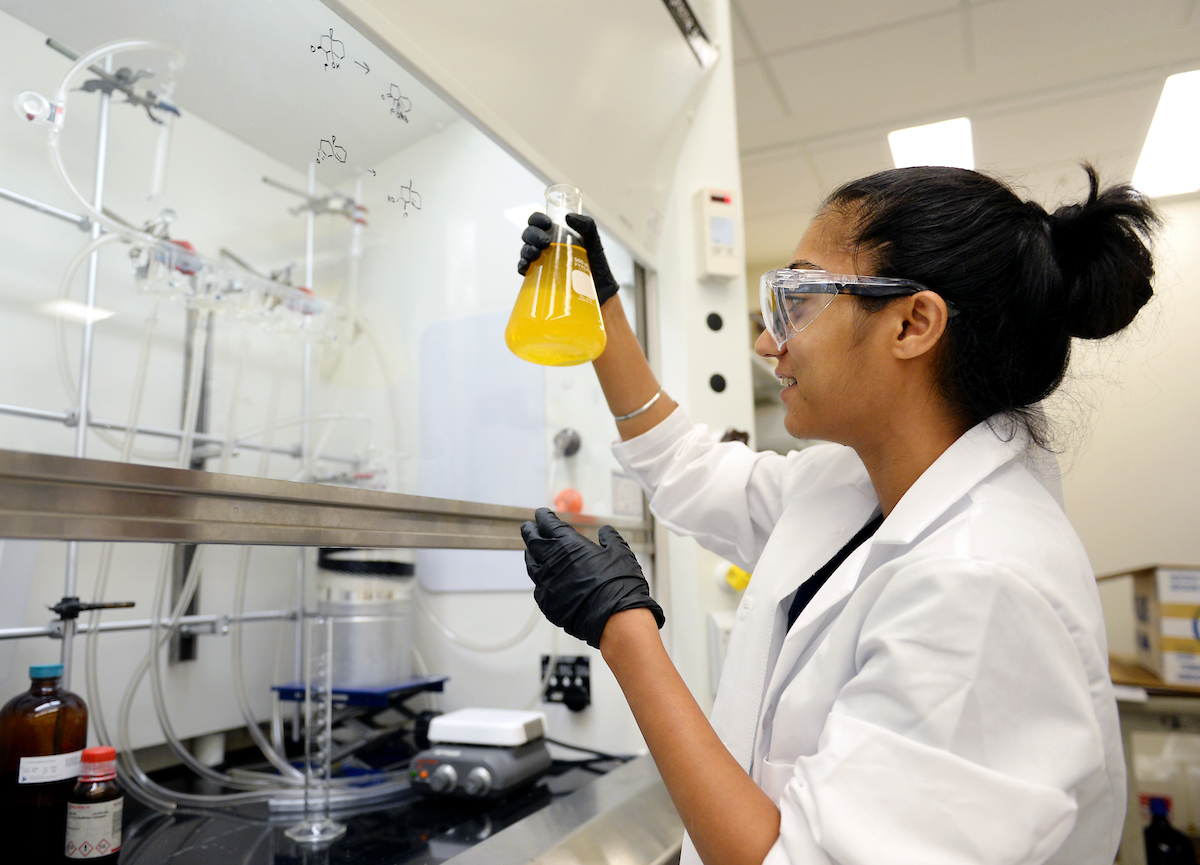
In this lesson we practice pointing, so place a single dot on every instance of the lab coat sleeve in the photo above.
(723, 494)
(962, 738)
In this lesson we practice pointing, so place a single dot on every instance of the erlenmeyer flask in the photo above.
(556, 320)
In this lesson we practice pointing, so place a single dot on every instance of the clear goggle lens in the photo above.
(791, 299)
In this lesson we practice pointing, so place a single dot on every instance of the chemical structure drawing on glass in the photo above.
(408, 196)
(334, 50)
(330, 149)
(401, 104)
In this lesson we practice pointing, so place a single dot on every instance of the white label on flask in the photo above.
(581, 282)
(93, 829)
(44, 770)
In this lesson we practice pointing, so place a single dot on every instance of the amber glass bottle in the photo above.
(94, 809)
(42, 733)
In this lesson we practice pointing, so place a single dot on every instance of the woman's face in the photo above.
(834, 387)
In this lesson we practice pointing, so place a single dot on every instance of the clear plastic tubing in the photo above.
(89, 656)
(64, 364)
(471, 645)
(64, 289)
(60, 98)
(239, 601)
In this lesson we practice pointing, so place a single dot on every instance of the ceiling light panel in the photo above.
(944, 143)
(1170, 160)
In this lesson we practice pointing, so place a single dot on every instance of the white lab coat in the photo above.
(945, 697)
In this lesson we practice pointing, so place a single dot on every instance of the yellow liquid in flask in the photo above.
(556, 320)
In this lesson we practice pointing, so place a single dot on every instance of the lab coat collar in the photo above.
(976, 454)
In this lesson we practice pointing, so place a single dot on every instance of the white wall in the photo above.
(1133, 488)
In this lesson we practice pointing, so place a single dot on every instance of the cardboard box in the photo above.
(1166, 601)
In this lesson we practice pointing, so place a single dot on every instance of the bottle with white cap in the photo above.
(95, 809)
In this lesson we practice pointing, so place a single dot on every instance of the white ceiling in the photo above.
(1046, 84)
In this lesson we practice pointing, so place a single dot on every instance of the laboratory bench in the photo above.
(572, 815)
(1146, 704)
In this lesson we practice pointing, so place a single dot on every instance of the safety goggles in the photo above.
(791, 299)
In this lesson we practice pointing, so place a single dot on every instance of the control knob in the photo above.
(443, 779)
(479, 782)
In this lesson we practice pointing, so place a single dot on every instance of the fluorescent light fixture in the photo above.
(945, 143)
(74, 310)
(1170, 160)
(519, 215)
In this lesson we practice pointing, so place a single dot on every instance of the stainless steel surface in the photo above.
(624, 816)
(44, 496)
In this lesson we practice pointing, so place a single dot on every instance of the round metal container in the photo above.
(372, 630)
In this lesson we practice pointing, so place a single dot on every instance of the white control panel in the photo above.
(717, 244)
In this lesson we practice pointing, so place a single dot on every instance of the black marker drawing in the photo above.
(401, 104)
(333, 49)
(330, 148)
(372, 170)
(365, 67)
(408, 196)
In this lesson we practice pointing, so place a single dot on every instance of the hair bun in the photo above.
(1103, 250)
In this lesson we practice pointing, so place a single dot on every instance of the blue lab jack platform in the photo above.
(377, 697)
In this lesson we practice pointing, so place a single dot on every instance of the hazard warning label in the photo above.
(93, 829)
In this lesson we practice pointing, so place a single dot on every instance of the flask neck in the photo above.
(562, 199)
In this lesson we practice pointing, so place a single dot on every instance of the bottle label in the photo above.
(94, 828)
(44, 770)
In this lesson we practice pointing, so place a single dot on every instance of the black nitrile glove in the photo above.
(578, 584)
(539, 235)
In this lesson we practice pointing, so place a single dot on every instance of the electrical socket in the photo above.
(570, 683)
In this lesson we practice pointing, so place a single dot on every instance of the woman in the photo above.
(918, 672)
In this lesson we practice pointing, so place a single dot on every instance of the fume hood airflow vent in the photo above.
(689, 26)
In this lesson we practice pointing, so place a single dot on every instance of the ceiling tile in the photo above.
(743, 48)
(916, 70)
(1068, 131)
(780, 25)
(758, 107)
(1049, 36)
(836, 165)
(1063, 183)
(783, 185)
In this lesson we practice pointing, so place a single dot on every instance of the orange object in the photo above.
(569, 500)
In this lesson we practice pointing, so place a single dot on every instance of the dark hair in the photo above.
(1023, 280)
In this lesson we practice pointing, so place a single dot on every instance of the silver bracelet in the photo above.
(642, 410)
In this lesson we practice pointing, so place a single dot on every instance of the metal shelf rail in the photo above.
(50, 497)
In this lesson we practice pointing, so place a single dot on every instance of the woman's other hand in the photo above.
(579, 584)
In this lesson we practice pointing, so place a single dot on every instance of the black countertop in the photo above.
(411, 830)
